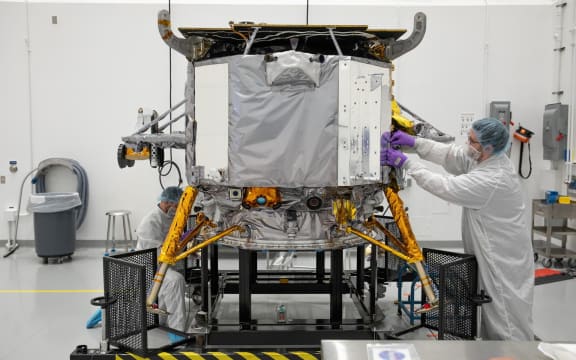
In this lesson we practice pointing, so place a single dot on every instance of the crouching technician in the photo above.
(151, 233)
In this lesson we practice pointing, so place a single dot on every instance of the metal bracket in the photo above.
(401, 47)
(193, 47)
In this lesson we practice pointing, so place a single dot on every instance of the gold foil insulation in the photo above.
(262, 196)
(399, 122)
(344, 211)
(170, 249)
(401, 218)
(137, 155)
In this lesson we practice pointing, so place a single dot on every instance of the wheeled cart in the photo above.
(551, 212)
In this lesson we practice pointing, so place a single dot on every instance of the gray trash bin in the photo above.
(54, 223)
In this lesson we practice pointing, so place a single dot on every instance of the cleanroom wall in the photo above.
(73, 88)
(482, 54)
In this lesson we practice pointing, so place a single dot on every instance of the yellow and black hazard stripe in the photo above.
(240, 355)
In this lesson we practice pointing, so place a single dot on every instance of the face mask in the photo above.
(473, 153)
(171, 212)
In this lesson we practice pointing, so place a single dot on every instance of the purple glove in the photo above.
(392, 157)
(400, 138)
(385, 139)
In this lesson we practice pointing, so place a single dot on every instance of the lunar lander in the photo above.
(294, 133)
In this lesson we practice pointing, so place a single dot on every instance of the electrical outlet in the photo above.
(2, 179)
(466, 120)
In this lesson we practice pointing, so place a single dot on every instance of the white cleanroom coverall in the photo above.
(151, 233)
(494, 229)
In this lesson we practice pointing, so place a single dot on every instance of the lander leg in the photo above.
(173, 246)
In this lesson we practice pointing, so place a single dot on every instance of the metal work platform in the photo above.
(228, 323)
(247, 330)
(130, 329)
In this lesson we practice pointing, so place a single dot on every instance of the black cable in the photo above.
(170, 71)
(170, 161)
(520, 161)
(307, 10)
(168, 164)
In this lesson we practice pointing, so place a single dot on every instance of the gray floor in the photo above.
(44, 307)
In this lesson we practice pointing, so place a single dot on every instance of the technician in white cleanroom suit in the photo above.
(494, 228)
(151, 234)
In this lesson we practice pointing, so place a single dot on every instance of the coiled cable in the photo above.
(81, 177)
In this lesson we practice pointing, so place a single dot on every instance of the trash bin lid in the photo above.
(53, 202)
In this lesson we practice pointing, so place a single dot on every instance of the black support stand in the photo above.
(300, 333)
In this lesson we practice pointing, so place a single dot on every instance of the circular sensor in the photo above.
(314, 203)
